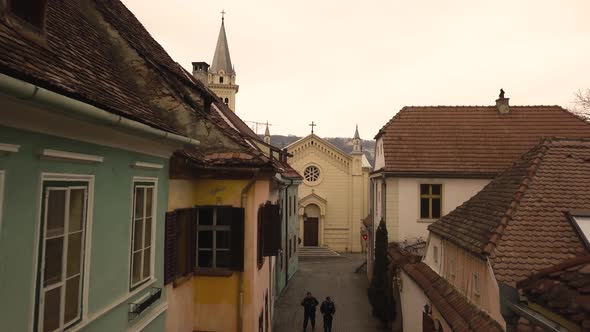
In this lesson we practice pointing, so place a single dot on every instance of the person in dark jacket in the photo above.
(328, 309)
(309, 304)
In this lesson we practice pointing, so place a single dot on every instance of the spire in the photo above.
(356, 141)
(356, 132)
(267, 134)
(221, 58)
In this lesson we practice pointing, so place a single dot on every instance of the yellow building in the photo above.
(333, 198)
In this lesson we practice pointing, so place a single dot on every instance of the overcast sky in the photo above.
(343, 62)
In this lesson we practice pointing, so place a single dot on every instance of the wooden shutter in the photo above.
(271, 229)
(170, 247)
(237, 239)
(192, 255)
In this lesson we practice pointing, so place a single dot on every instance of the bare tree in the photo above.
(582, 102)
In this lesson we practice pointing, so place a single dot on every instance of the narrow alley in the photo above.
(328, 277)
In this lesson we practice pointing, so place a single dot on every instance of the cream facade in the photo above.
(333, 197)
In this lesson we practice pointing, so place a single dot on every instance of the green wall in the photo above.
(293, 222)
(110, 246)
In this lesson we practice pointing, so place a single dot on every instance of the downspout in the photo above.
(243, 197)
(287, 233)
(60, 103)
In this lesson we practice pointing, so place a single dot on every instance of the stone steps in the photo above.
(324, 252)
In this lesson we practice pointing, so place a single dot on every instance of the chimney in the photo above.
(201, 72)
(502, 103)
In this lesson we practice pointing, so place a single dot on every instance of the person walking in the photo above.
(309, 304)
(328, 309)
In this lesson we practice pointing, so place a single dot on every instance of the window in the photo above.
(430, 201)
(311, 173)
(290, 205)
(30, 11)
(476, 283)
(452, 268)
(435, 253)
(142, 232)
(63, 233)
(290, 247)
(226, 101)
(221, 81)
(214, 237)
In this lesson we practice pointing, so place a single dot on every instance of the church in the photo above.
(334, 195)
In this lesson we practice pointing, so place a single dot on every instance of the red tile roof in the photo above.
(458, 312)
(519, 219)
(563, 289)
(475, 141)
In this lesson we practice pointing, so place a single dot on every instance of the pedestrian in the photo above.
(309, 304)
(328, 309)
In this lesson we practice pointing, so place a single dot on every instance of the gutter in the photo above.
(60, 103)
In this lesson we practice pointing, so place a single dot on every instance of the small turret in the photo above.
(356, 141)
(267, 135)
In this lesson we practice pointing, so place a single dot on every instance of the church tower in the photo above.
(221, 76)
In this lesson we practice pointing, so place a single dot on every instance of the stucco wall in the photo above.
(403, 203)
(413, 301)
(218, 297)
(457, 266)
(109, 234)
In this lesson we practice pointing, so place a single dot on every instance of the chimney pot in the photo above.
(502, 103)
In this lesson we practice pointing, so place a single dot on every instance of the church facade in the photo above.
(333, 197)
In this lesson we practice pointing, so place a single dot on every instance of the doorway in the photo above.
(310, 232)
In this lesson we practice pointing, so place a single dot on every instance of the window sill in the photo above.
(426, 221)
(181, 280)
(212, 272)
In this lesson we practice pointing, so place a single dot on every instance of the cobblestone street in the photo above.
(334, 278)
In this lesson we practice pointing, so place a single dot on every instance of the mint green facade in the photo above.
(287, 261)
(109, 230)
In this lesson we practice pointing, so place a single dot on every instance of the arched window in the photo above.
(226, 101)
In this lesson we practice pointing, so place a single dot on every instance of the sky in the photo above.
(341, 62)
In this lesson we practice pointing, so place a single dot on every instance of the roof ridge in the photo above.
(525, 183)
(568, 263)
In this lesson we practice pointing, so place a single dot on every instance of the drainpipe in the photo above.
(66, 105)
(243, 197)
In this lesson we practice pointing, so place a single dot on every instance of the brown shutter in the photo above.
(271, 228)
(237, 239)
(170, 247)
(192, 255)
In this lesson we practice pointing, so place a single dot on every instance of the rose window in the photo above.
(311, 173)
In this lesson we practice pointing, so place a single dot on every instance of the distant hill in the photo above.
(343, 143)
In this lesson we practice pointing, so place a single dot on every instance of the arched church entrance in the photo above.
(311, 225)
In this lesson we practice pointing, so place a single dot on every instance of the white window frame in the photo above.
(35, 282)
(153, 183)
(2, 172)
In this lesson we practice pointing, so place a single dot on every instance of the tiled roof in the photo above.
(99, 53)
(458, 312)
(563, 289)
(518, 219)
(475, 141)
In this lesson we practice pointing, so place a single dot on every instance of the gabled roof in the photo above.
(320, 140)
(519, 219)
(474, 141)
(455, 308)
(221, 58)
(99, 53)
(563, 289)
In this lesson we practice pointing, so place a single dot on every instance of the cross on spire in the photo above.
(312, 124)
(222, 12)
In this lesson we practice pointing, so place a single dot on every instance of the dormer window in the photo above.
(29, 11)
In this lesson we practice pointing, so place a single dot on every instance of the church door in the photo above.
(310, 232)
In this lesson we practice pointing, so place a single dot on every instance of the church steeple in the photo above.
(356, 141)
(221, 59)
(221, 76)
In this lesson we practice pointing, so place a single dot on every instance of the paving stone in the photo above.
(328, 277)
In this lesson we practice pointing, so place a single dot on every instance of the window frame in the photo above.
(475, 283)
(213, 228)
(72, 180)
(430, 196)
(573, 216)
(2, 181)
(144, 182)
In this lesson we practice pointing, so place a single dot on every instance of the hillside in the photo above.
(343, 143)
